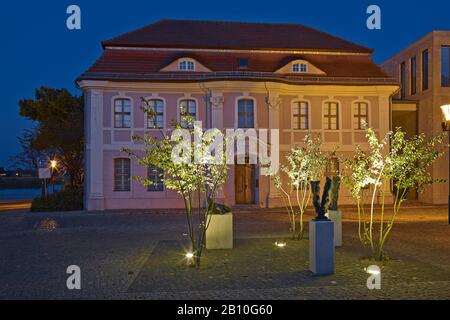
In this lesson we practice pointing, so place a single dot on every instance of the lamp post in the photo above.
(446, 127)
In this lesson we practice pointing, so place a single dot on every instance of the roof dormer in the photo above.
(300, 66)
(185, 64)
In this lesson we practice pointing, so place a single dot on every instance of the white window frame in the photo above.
(338, 115)
(299, 67)
(354, 114)
(114, 174)
(237, 112)
(197, 118)
(112, 115)
(294, 124)
(185, 64)
(146, 116)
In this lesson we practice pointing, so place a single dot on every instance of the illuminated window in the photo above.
(155, 176)
(186, 65)
(331, 116)
(155, 116)
(122, 113)
(301, 115)
(122, 174)
(299, 68)
(246, 116)
(360, 115)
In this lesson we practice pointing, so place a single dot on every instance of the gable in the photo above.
(311, 69)
(174, 66)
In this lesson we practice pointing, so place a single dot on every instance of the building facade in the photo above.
(423, 70)
(229, 75)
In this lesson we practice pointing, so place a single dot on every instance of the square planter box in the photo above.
(219, 234)
(336, 217)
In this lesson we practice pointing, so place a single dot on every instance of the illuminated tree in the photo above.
(187, 166)
(395, 158)
(306, 163)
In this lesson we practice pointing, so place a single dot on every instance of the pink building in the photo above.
(230, 75)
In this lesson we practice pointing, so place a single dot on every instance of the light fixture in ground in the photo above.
(189, 255)
(373, 270)
(53, 164)
(280, 244)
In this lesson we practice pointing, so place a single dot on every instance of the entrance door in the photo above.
(244, 183)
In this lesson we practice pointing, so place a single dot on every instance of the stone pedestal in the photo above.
(336, 217)
(321, 247)
(219, 234)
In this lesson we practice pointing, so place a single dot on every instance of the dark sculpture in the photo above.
(336, 183)
(321, 206)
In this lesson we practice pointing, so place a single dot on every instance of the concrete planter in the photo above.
(336, 217)
(321, 248)
(219, 234)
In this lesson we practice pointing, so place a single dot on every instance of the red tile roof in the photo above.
(161, 43)
(232, 35)
(145, 62)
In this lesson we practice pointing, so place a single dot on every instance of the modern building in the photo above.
(229, 75)
(423, 70)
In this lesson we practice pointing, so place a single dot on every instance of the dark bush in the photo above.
(69, 199)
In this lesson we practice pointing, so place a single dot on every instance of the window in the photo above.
(413, 75)
(445, 66)
(403, 80)
(243, 63)
(155, 175)
(122, 113)
(331, 116)
(360, 115)
(122, 173)
(155, 118)
(300, 115)
(425, 70)
(186, 65)
(299, 68)
(246, 113)
(189, 107)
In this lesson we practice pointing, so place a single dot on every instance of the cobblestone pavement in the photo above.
(134, 255)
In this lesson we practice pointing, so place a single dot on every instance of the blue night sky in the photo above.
(37, 49)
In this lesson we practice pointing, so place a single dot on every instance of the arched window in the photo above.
(189, 107)
(300, 114)
(360, 115)
(155, 176)
(299, 67)
(122, 174)
(246, 113)
(122, 113)
(155, 114)
(331, 116)
(186, 65)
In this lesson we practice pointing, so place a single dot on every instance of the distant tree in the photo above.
(28, 156)
(59, 129)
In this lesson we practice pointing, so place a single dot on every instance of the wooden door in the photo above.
(244, 183)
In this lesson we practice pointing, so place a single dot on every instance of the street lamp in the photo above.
(53, 164)
(446, 127)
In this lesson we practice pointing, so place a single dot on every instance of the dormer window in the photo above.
(299, 68)
(186, 65)
(243, 63)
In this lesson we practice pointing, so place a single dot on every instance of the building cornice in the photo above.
(264, 51)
